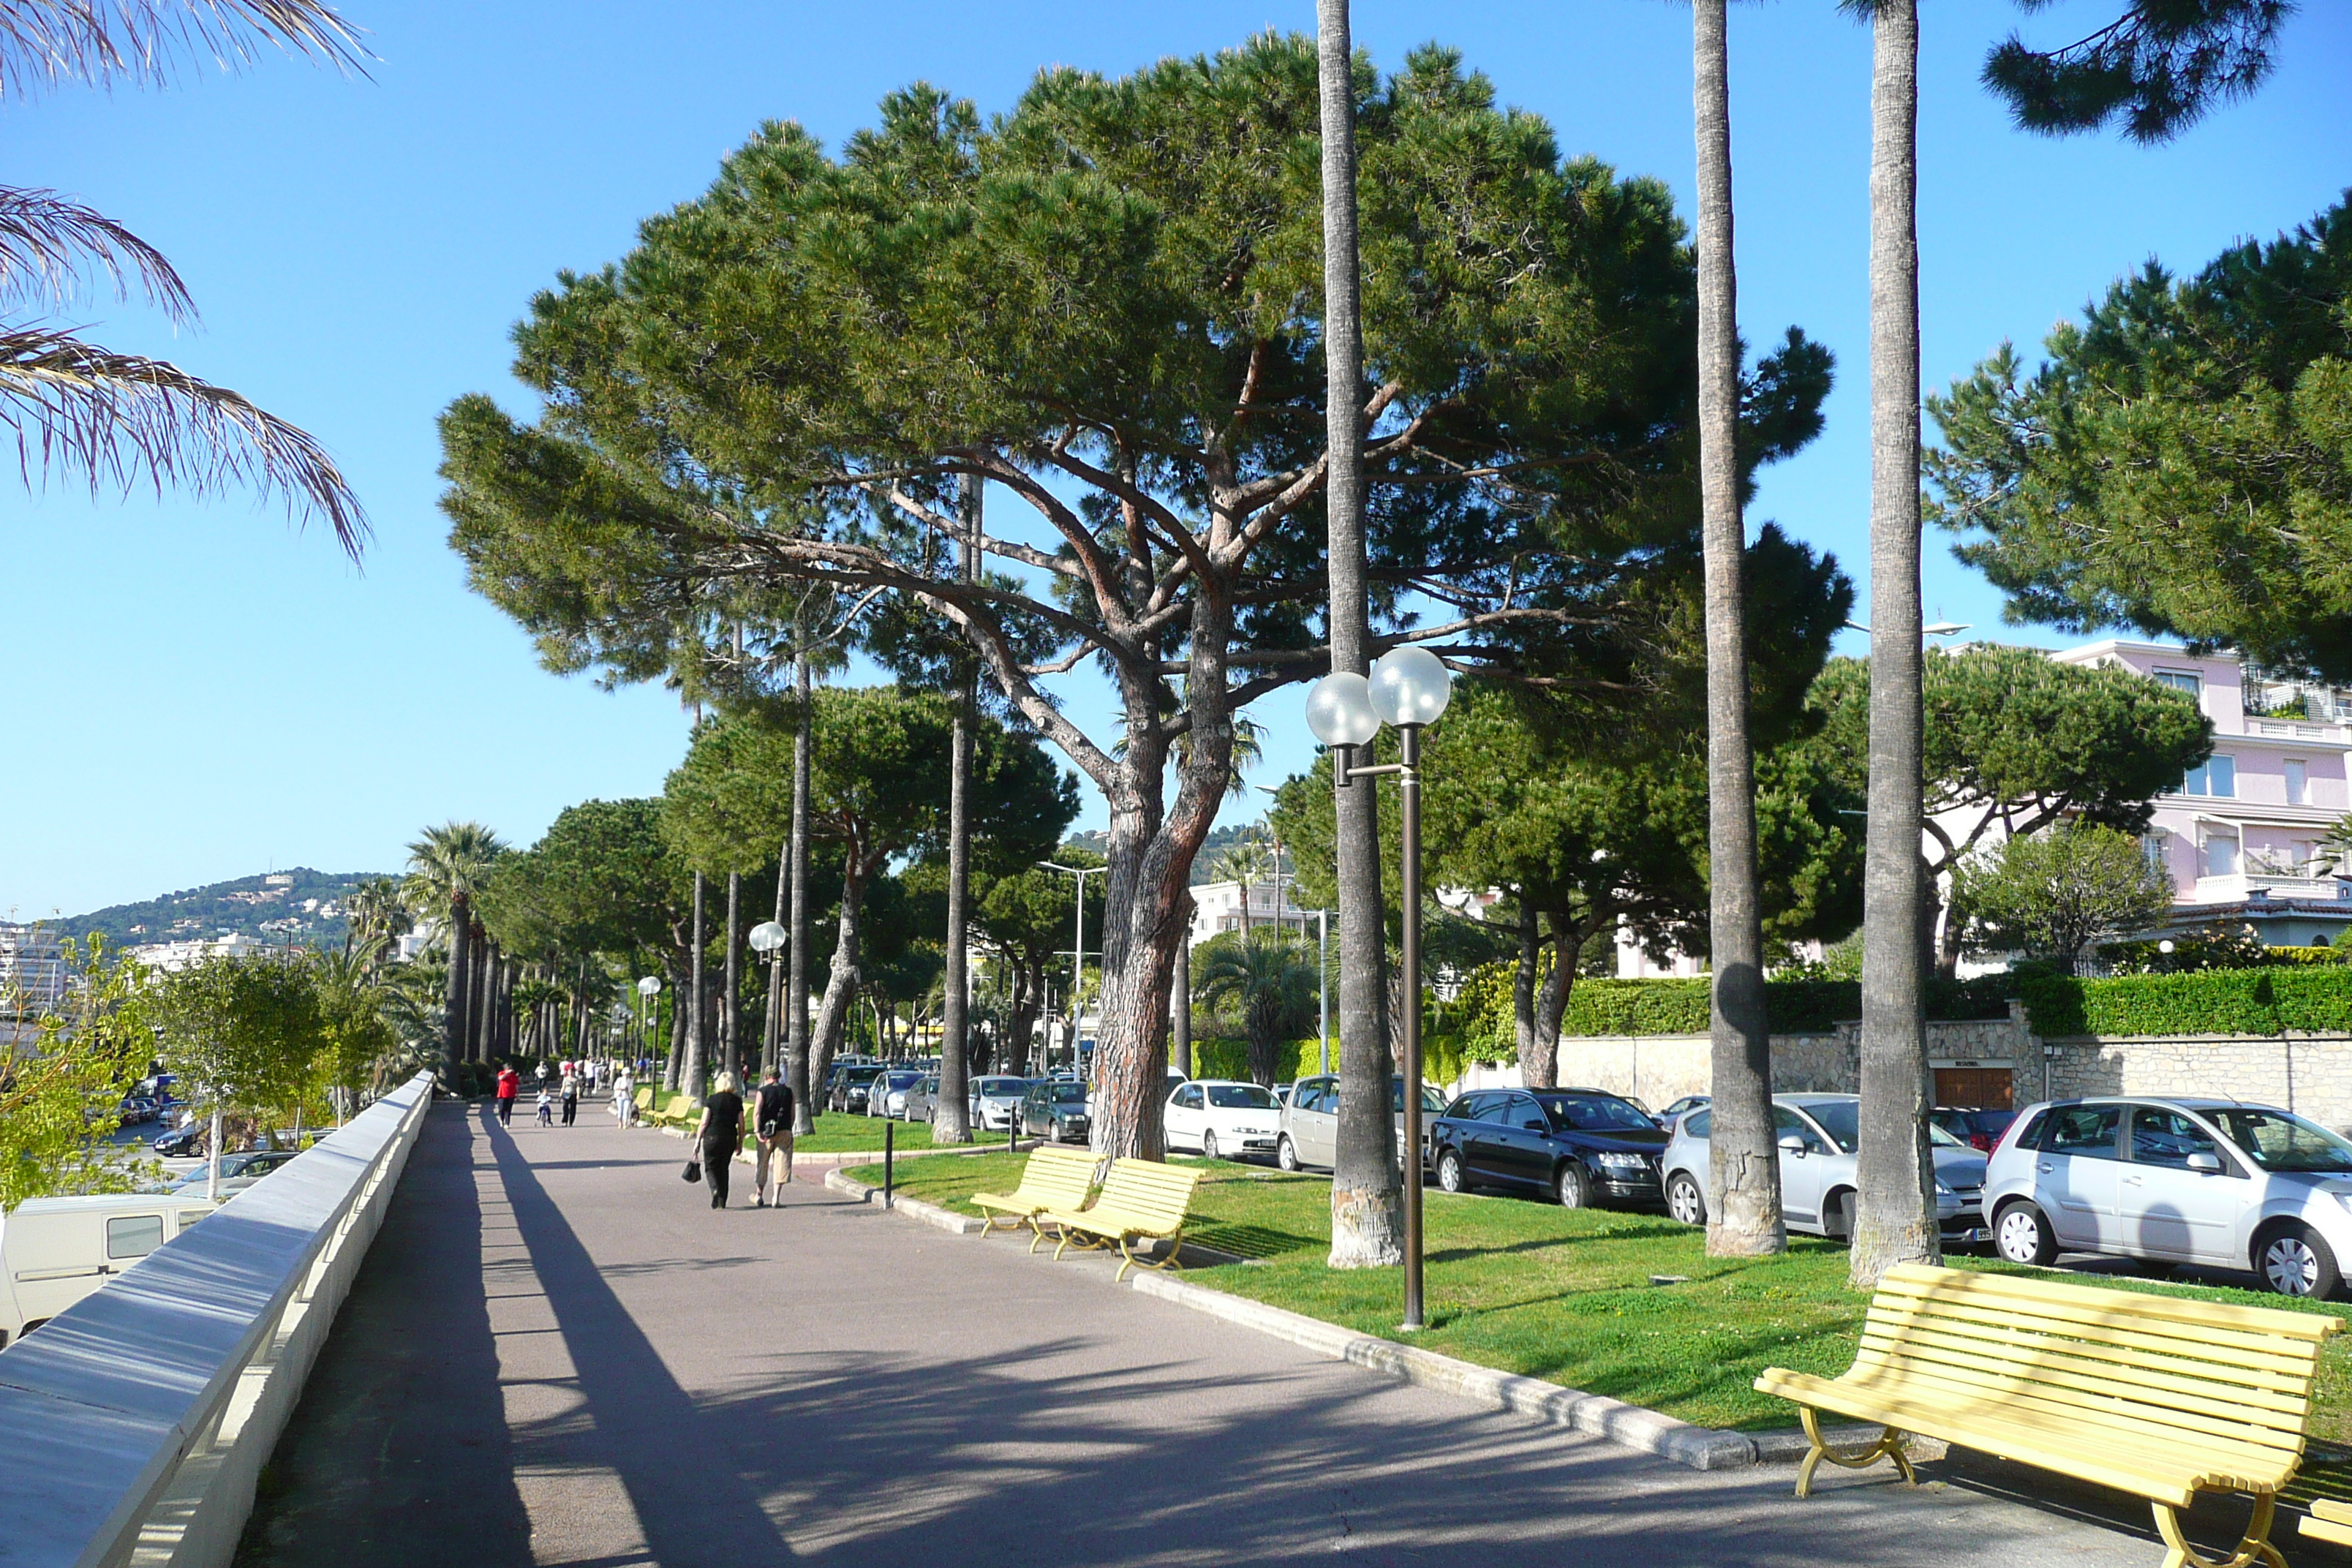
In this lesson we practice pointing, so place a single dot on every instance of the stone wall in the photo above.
(2309, 1074)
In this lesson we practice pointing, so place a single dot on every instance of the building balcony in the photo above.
(2238, 886)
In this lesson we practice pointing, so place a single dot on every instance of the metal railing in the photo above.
(134, 1423)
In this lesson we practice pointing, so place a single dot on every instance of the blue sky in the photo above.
(199, 691)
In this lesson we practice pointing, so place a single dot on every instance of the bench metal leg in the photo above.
(2253, 1547)
(1127, 1251)
(1889, 1446)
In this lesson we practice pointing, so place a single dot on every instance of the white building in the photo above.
(1217, 908)
(177, 955)
(34, 977)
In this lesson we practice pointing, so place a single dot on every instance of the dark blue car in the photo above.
(1577, 1146)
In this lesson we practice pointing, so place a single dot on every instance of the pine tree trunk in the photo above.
(841, 985)
(1895, 1219)
(1542, 1065)
(694, 1072)
(1524, 978)
(1367, 1199)
(772, 1022)
(951, 1118)
(1743, 1208)
(731, 998)
(796, 997)
(453, 1005)
(1028, 1001)
(1180, 1002)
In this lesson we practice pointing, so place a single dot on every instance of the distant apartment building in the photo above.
(1220, 906)
(172, 956)
(34, 974)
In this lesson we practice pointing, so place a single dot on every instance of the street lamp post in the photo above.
(1077, 949)
(768, 940)
(1323, 987)
(1409, 688)
(648, 987)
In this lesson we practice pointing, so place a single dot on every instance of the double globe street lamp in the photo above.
(1409, 688)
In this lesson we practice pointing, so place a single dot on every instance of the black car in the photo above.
(1579, 1146)
(849, 1089)
(183, 1141)
(1055, 1107)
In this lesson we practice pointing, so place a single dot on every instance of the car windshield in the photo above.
(864, 1075)
(1841, 1120)
(904, 1080)
(2281, 1140)
(1431, 1103)
(1593, 1114)
(1240, 1097)
(1001, 1086)
(1067, 1093)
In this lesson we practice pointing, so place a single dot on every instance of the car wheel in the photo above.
(1685, 1201)
(2293, 1261)
(1837, 1216)
(1449, 1172)
(1208, 1143)
(1286, 1154)
(1570, 1187)
(2021, 1236)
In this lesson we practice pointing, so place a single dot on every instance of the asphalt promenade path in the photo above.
(557, 1353)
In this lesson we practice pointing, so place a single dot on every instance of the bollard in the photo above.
(889, 1151)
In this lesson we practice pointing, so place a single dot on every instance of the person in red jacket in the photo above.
(510, 1084)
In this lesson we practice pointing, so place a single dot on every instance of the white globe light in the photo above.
(766, 936)
(649, 986)
(1340, 710)
(1411, 686)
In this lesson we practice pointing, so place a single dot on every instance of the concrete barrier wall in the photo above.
(137, 1422)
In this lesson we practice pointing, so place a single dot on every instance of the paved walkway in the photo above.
(558, 1353)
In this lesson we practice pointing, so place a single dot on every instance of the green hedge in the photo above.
(1219, 1055)
(1794, 1007)
(2308, 997)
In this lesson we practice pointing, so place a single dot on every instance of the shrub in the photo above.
(2312, 997)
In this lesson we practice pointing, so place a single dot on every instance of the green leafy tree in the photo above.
(1106, 305)
(1028, 915)
(63, 1073)
(2016, 741)
(243, 1034)
(2180, 462)
(1269, 978)
(447, 869)
(2056, 893)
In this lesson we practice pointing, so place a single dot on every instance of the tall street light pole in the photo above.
(1409, 688)
(768, 940)
(1077, 947)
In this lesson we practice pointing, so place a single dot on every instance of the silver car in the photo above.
(2214, 1182)
(994, 1101)
(1817, 1134)
(1309, 1130)
(922, 1101)
(887, 1095)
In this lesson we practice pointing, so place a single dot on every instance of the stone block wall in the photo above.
(2309, 1074)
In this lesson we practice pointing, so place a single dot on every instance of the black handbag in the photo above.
(694, 1170)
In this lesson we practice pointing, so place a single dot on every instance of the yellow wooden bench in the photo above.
(680, 1112)
(2330, 1520)
(2156, 1395)
(1140, 1200)
(1053, 1178)
(644, 1101)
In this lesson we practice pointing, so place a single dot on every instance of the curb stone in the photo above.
(1628, 1426)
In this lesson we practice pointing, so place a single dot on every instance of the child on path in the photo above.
(546, 1109)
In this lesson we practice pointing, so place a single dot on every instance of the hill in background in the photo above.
(295, 905)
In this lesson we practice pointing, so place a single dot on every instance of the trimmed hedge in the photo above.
(1793, 1006)
(1218, 1055)
(2311, 997)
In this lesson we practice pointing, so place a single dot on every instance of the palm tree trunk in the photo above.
(453, 1005)
(951, 1120)
(731, 1000)
(478, 993)
(796, 1052)
(693, 1074)
(1895, 1221)
(1366, 1202)
(1743, 1208)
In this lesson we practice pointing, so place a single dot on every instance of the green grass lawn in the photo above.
(1565, 1294)
(839, 1133)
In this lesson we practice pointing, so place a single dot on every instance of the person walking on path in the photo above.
(719, 1134)
(771, 1119)
(625, 1107)
(509, 1085)
(571, 1097)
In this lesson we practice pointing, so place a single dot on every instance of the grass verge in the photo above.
(1565, 1294)
(837, 1134)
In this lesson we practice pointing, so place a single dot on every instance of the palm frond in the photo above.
(144, 42)
(50, 242)
(121, 419)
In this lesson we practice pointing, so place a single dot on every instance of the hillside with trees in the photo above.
(297, 905)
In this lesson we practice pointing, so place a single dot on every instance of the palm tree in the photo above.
(1270, 977)
(374, 916)
(1744, 1170)
(122, 420)
(1894, 1217)
(1367, 1199)
(446, 870)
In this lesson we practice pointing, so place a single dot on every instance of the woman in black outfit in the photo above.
(719, 1134)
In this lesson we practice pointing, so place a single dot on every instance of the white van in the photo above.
(55, 1251)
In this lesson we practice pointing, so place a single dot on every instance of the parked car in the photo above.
(1580, 1146)
(1677, 1110)
(2214, 1182)
(137, 1108)
(1223, 1119)
(181, 1141)
(848, 1087)
(1309, 1131)
(995, 1101)
(1282, 1092)
(239, 1172)
(1979, 1129)
(1817, 1134)
(55, 1251)
(1055, 1107)
(922, 1101)
(886, 1095)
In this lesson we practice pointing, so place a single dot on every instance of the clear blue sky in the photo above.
(197, 691)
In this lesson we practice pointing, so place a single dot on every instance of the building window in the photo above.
(2297, 779)
(2221, 855)
(2186, 681)
(2216, 776)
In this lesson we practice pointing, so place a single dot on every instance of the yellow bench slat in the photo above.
(2202, 1318)
(2179, 1356)
(2056, 1362)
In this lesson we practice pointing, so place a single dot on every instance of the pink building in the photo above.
(2241, 835)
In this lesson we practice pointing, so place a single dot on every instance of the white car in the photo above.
(1220, 1118)
(1818, 1134)
(2215, 1181)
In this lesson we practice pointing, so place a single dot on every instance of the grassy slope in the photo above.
(836, 1133)
(1565, 1294)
